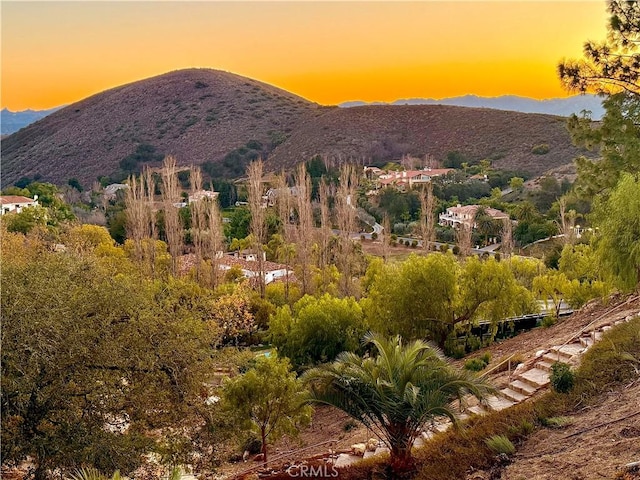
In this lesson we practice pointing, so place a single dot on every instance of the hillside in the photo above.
(381, 132)
(198, 115)
(201, 115)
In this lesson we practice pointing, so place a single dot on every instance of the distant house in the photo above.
(249, 265)
(111, 190)
(405, 179)
(455, 216)
(16, 203)
(273, 193)
(202, 194)
(246, 261)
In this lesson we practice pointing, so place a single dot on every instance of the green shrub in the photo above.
(548, 321)
(500, 444)
(541, 149)
(562, 377)
(478, 363)
(556, 422)
(456, 250)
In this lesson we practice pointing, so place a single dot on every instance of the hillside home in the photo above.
(200, 194)
(405, 179)
(16, 203)
(271, 271)
(455, 216)
(111, 190)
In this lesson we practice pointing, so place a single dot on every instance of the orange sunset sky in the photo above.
(56, 53)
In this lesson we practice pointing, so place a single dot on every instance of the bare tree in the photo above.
(199, 221)
(150, 190)
(214, 239)
(346, 216)
(385, 237)
(567, 222)
(427, 214)
(136, 216)
(325, 231)
(304, 227)
(464, 237)
(507, 238)
(283, 203)
(172, 224)
(258, 228)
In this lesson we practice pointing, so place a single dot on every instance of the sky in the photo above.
(56, 53)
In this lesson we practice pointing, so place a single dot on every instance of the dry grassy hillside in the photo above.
(200, 115)
(197, 115)
(383, 131)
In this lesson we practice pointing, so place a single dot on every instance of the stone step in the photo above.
(586, 342)
(477, 410)
(535, 377)
(499, 403)
(618, 322)
(513, 395)
(570, 350)
(597, 336)
(606, 328)
(522, 387)
(544, 365)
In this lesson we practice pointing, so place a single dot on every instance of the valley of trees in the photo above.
(127, 337)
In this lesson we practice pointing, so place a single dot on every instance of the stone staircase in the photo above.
(534, 376)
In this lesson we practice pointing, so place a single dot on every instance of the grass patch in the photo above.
(500, 444)
(557, 422)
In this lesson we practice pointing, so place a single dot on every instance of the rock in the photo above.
(372, 444)
(359, 448)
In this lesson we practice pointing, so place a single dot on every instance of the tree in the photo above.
(427, 297)
(304, 227)
(92, 357)
(317, 329)
(427, 217)
(257, 222)
(612, 65)
(618, 242)
(516, 184)
(268, 400)
(346, 216)
(173, 228)
(397, 391)
(553, 285)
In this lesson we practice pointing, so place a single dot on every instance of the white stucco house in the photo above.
(16, 203)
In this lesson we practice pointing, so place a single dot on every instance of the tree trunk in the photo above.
(264, 445)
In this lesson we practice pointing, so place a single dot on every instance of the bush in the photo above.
(541, 149)
(456, 250)
(414, 244)
(556, 422)
(562, 378)
(500, 444)
(478, 363)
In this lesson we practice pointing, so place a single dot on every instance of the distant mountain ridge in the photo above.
(563, 107)
(13, 121)
(223, 121)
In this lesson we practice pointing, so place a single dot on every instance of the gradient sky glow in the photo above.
(329, 52)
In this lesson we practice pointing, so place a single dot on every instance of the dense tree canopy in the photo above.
(93, 356)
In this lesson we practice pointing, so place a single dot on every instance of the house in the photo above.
(405, 179)
(111, 190)
(16, 203)
(246, 261)
(271, 271)
(200, 194)
(272, 194)
(455, 216)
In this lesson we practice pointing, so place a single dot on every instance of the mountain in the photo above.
(223, 121)
(563, 107)
(13, 121)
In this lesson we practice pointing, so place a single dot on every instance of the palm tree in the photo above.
(396, 393)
